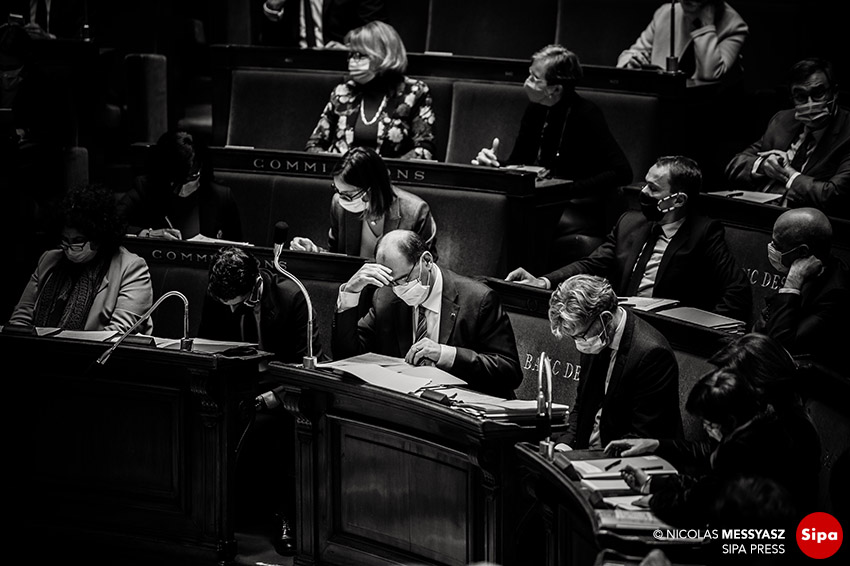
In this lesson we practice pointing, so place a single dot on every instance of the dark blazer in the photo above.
(783, 449)
(826, 176)
(574, 129)
(211, 210)
(283, 320)
(811, 322)
(472, 320)
(338, 18)
(697, 269)
(642, 400)
(406, 212)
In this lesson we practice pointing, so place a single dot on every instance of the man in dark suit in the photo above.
(247, 303)
(285, 26)
(629, 384)
(807, 313)
(427, 314)
(665, 251)
(805, 152)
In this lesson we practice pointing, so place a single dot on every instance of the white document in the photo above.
(93, 335)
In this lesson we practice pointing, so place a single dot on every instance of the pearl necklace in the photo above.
(378, 113)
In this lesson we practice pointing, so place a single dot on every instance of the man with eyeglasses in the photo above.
(666, 250)
(805, 315)
(629, 384)
(429, 316)
(804, 153)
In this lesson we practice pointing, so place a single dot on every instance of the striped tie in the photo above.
(421, 325)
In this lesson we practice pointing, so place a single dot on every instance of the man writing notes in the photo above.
(667, 250)
(428, 315)
(629, 380)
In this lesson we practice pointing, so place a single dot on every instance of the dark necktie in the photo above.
(309, 25)
(646, 252)
(802, 151)
(593, 395)
(421, 325)
(41, 14)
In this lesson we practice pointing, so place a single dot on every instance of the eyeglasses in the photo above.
(817, 93)
(583, 335)
(403, 280)
(76, 247)
(348, 196)
(535, 80)
(356, 55)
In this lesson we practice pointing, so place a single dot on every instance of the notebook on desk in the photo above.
(610, 468)
(704, 318)
(751, 196)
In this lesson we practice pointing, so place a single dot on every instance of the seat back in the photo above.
(481, 112)
(277, 109)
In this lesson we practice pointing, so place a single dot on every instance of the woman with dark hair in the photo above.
(366, 206)
(751, 442)
(91, 282)
(378, 106)
(177, 198)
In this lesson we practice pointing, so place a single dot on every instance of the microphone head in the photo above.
(281, 232)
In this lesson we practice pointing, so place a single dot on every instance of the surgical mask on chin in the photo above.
(813, 112)
(360, 70)
(188, 188)
(82, 256)
(355, 206)
(538, 95)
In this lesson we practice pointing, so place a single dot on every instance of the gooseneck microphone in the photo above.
(544, 404)
(185, 342)
(281, 232)
(672, 60)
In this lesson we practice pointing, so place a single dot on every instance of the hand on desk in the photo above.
(631, 447)
(300, 244)
(423, 351)
(635, 478)
(487, 156)
(162, 233)
(520, 275)
(634, 59)
(369, 274)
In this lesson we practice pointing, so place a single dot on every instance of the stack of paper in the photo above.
(647, 304)
(392, 373)
(705, 318)
(607, 487)
(752, 196)
(622, 519)
(611, 467)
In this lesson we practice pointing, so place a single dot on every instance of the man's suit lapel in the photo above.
(449, 307)
(827, 143)
(392, 218)
(636, 235)
(403, 317)
(620, 361)
(673, 248)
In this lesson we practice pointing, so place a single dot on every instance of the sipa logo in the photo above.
(819, 535)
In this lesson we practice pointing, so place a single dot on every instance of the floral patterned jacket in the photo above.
(405, 125)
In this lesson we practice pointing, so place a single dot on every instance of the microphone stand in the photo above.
(672, 60)
(544, 404)
(309, 361)
(185, 342)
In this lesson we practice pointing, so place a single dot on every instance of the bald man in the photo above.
(807, 314)
(428, 315)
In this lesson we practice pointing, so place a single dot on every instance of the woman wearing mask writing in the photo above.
(378, 107)
(91, 282)
(366, 206)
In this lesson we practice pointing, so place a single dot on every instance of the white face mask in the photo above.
(360, 70)
(594, 344)
(813, 113)
(81, 256)
(414, 293)
(356, 206)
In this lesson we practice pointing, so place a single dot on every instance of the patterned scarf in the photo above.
(68, 293)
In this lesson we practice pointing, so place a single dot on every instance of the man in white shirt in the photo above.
(629, 382)
(428, 315)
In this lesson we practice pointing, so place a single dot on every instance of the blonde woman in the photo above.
(378, 106)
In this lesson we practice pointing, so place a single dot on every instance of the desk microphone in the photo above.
(544, 404)
(281, 231)
(185, 342)
(672, 60)
(269, 400)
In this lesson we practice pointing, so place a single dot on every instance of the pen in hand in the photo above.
(652, 468)
(168, 221)
(612, 464)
